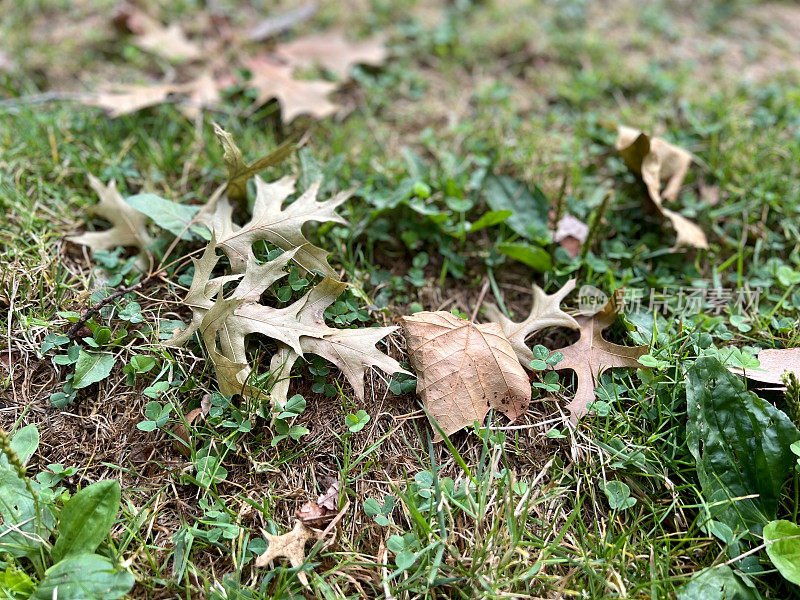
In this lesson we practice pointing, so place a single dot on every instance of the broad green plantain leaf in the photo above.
(84, 577)
(718, 583)
(489, 219)
(239, 172)
(24, 443)
(21, 533)
(741, 445)
(535, 257)
(15, 584)
(169, 215)
(86, 519)
(783, 548)
(530, 207)
(91, 368)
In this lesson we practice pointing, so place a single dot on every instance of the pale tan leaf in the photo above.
(232, 375)
(128, 224)
(774, 363)
(167, 41)
(321, 512)
(203, 93)
(298, 328)
(656, 162)
(118, 100)
(545, 312)
(592, 354)
(296, 97)
(334, 52)
(122, 99)
(280, 226)
(464, 369)
(280, 367)
(351, 350)
(330, 499)
(290, 545)
(688, 232)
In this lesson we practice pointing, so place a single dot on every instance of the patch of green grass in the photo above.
(530, 92)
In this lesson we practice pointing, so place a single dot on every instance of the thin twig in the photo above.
(480, 301)
(39, 98)
(73, 331)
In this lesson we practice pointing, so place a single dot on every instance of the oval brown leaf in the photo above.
(464, 369)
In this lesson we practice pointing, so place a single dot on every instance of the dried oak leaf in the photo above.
(300, 327)
(128, 224)
(657, 161)
(592, 354)
(279, 226)
(290, 545)
(296, 96)
(351, 350)
(545, 312)
(333, 52)
(203, 92)
(166, 41)
(464, 369)
(313, 514)
(774, 363)
(118, 100)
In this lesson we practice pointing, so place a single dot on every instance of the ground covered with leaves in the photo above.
(399, 300)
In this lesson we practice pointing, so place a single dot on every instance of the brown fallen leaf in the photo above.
(774, 363)
(296, 97)
(709, 193)
(464, 369)
(333, 52)
(181, 431)
(118, 100)
(290, 545)
(122, 99)
(330, 499)
(313, 514)
(169, 42)
(545, 312)
(203, 93)
(128, 224)
(322, 511)
(570, 234)
(592, 354)
(657, 161)
(166, 41)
